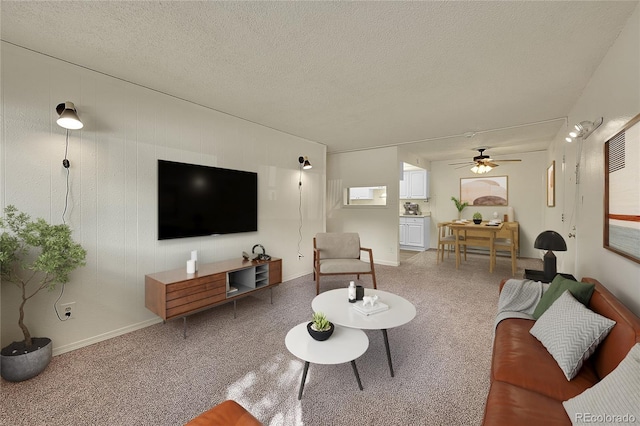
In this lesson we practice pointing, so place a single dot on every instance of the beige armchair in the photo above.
(339, 254)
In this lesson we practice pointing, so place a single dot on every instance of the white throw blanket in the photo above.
(519, 298)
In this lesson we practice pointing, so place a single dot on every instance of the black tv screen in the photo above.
(196, 200)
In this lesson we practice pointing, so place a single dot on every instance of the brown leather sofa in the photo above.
(227, 413)
(528, 387)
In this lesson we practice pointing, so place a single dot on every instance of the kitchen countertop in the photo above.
(423, 214)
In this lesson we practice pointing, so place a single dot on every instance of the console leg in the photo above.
(304, 378)
(184, 327)
(355, 371)
(386, 346)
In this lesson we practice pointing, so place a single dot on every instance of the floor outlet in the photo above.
(68, 310)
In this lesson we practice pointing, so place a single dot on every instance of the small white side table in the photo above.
(344, 345)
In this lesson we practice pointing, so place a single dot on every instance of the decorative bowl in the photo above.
(477, 221)
(320, 335)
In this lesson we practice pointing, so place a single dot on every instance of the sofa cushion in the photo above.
(581, 291)
(621, 338)
(618, 394)
(521, 360)
(512, 405)
(571, 332)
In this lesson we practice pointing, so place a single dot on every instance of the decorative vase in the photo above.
(24, 366)
(320, 335)
(477, 221)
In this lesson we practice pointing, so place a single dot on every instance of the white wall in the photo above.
(613, 93)
(526, 182)
(377, 225)
(113, 179)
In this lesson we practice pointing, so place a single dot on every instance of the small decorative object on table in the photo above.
(477, 218)
(369, 301)
(352, 292)
(320, 328)
(370, 305)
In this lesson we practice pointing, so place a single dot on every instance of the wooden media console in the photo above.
(175, 293)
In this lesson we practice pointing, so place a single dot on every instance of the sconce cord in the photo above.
(65, 164)
(300, 212)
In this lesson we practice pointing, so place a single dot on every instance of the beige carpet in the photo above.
(155, 377)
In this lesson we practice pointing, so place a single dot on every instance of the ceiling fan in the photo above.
(482, 163)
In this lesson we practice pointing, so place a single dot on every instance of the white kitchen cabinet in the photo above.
(415, 185)
(362, 193)
(414, 233)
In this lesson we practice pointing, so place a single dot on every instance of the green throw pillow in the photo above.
(581, 291)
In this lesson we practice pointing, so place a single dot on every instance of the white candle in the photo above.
(191, 266)
(194, 257)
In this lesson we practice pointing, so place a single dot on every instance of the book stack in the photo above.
(370, 310)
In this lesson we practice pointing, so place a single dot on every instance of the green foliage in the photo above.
(320, 321)
(35, 252)
(460, 206)
(477, 215)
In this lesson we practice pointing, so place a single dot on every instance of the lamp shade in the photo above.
(68, 116)
(550, 240)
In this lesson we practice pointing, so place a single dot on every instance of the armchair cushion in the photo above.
(334, 245)
(343, 266)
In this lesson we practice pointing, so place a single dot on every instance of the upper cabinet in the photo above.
(414, 185)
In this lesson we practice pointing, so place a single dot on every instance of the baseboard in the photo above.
(101, 337)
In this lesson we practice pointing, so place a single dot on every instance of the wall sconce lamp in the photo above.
(583, 129)
(68, 116)
(550, 240)
(304, 163)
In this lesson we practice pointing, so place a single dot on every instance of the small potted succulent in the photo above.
(320, 328)
(477, 218)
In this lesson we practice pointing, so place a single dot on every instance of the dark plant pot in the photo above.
(20, 366)
(477, 221)
(320, 335)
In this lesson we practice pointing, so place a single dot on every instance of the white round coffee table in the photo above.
(335, 305)
(344, 345)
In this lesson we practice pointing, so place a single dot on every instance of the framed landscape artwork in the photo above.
(551, 185)
(484, 191)
(622, 191)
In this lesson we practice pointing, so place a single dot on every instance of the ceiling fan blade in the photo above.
(504, 161)
(465, 163)
(462, 167)
(489, 163)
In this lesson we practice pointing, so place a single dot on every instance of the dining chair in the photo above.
(446, 241)
(509, 244)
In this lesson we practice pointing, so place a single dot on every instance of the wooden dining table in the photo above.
(484, 236)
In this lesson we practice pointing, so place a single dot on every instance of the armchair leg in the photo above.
(373, 276)
(317, 284)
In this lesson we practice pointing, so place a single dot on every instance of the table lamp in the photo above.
(550, 240)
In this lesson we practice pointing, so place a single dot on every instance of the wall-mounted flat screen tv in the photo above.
(196, 200)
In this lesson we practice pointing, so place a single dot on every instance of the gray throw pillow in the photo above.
(571, 332)
(613, 400)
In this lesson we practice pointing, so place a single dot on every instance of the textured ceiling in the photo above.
(350, 75)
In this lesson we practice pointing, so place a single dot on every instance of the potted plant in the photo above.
(34, 255)
(320, 328)
(460, 206)
(477, 218)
